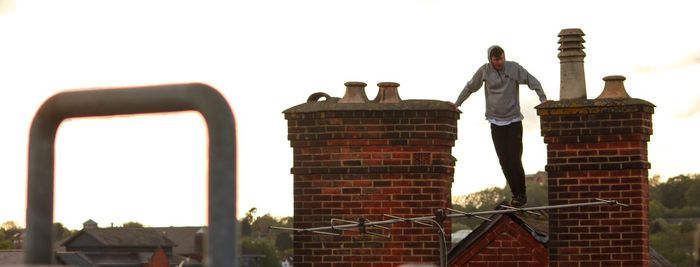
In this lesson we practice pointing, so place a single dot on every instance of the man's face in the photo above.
(498, 62)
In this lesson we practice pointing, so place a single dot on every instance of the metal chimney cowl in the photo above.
(388, 93)
(572, 72)
(354, 93)
(614, 87)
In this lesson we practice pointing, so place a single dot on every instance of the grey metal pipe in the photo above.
(222, 246)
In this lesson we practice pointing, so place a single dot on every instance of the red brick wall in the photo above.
(362, 163)
(506, 244)
(598, 149)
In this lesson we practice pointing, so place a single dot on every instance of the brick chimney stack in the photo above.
(598, 149)
(363, 160)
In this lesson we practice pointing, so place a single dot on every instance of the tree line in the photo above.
(259, 239)
(11, 235)
(674, 212)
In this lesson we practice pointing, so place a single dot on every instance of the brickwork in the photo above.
(362, 161)
(506, 244)
(598, 149)
(159, 259)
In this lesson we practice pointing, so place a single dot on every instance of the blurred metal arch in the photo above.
(221, 245)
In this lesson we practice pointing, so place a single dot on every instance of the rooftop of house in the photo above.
(74, 259)
(78, 258)
(121, 237)
(182, 236)
(537, 226)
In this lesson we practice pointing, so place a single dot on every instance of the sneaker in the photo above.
(518, 201)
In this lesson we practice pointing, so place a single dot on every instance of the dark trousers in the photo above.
(508, 141)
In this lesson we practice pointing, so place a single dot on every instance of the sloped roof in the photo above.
(538, 227)
(118, 259)
(536, 224)
(89, 259)
(658, 260)
(486, 227)
(74, 259)
(124, 237)
(183, 237)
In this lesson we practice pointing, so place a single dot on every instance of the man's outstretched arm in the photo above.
(472, 86)
(524, 77)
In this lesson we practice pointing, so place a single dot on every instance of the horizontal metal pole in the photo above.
(406, 220)
(301, 230)
(455, 215)
(470, 215)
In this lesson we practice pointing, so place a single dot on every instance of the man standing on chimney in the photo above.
(502, 79)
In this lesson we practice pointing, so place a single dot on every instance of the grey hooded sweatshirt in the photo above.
(502, 89)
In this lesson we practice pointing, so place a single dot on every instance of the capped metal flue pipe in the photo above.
(572, 72)
(388, 93)
(354, 93)
(614, 87)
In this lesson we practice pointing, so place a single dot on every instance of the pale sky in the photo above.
(269, 55)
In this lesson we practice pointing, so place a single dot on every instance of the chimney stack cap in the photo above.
(614, 78)
(571, 31)
(614, 87)
(388, 84)
(354, 83)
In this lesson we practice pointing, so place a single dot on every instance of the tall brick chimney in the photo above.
(364, 160)
(598, 149)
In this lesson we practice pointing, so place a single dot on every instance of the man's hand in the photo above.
(451, 104)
